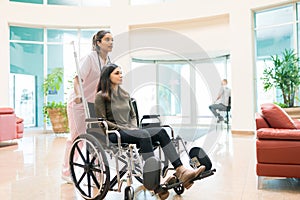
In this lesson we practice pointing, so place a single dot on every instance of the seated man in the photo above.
(221, 102)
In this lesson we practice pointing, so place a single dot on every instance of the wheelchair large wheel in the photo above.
(89, 167)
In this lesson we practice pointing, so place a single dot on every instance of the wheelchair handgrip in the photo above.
(95, 120)
(150, 116)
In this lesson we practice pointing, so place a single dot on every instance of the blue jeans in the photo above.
(217, 107)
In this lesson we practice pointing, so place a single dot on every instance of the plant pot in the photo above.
(58, 120)
(293, 112)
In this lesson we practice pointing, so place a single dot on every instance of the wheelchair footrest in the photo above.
(205, 174)
(176, 182)
(172, 184)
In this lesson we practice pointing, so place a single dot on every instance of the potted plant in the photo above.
(55, 111)
(283, 75)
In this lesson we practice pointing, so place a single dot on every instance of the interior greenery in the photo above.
(284, 75)
(53, 82)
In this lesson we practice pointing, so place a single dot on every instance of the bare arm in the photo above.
(78, 98)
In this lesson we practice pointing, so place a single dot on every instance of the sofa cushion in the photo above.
(277, 152)
(278, 134)
(260, 121)
(6, 110)
(276, 116)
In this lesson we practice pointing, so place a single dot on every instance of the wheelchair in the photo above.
(93, 156)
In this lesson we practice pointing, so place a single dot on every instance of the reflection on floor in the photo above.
(30, 169)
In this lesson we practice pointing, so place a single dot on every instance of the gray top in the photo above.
(118, 113)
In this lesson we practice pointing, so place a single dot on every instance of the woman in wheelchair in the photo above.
(113, 104)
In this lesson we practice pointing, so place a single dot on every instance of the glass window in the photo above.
(143, 87)
(175, 89)
(61, 35)
(29, 1)
(28, 59)
(170, 88)
(262, 95)
(80, 2)
(86, 36)
(57, 52)
(273, 17)
(274, 40)
(274, 33)
(63, 2)
(27, 34)
(68, 2)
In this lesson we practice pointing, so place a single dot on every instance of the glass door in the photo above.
(23, 97)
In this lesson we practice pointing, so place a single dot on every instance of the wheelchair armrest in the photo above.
(172, 131)
(150, 116)
(151, 121)
(94, 120)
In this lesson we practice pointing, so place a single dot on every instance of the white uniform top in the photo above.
(89, 71)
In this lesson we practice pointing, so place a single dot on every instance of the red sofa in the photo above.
(11, 126)
(277, 143)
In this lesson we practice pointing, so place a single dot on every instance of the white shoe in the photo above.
(68, 179)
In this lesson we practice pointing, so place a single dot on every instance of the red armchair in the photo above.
(11, 126)
(277, 143)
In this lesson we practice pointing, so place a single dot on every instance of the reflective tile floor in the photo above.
(30, 169)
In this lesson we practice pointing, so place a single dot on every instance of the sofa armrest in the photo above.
(6, 110)
(278, 134)
(296, 122)
(260, 121)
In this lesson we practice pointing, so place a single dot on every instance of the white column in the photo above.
(242, 65)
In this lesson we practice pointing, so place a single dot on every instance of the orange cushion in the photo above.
(276, 116)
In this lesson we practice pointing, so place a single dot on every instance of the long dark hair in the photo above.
(98, 37)
(104, 84)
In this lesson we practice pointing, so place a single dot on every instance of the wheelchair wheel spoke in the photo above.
(94, 179)
(81, 178)
(89, 184)
(93, 158)
(77, 165)
(87, 154)
(79, 151)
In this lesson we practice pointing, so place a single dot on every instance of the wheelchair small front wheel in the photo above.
(129, 193)
(179, 189)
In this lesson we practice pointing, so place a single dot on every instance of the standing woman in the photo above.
(90, 70)
(113, 104)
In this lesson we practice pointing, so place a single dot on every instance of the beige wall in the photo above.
(217, 26)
